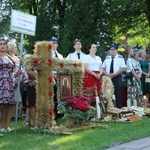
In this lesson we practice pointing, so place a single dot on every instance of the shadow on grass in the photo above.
(91, 139)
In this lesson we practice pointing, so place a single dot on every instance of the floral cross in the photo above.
(43, 62)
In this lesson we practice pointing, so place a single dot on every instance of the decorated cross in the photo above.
(43, 62)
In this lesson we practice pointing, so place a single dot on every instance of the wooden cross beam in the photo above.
(43, 62)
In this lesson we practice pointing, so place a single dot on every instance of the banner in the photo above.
(23, 23)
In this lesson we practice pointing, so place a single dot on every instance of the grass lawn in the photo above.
(91, 139)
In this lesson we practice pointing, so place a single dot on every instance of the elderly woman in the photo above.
(145, 72)
(134, 91)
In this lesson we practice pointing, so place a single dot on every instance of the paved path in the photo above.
(141, 144)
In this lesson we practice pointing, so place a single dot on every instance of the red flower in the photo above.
(50, 61)
(50, 46)
(36, 62)
(75, 65)
(80, 102)
(51, 112)
(50, 79)
(61, 65)
(50, 92)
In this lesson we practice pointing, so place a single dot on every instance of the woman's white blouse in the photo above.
(93, 63)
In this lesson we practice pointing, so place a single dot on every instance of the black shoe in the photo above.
(19, 119)
(59, 115)
(12, 118)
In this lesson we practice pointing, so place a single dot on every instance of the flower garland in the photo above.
(33, 62)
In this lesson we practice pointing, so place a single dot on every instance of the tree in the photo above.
(97, 21)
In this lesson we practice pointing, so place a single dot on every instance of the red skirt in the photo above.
(90, 83)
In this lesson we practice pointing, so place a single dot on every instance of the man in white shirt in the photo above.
(55, 54)
(113, 66)
(78, 54)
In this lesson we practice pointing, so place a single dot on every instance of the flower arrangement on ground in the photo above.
(79, 108)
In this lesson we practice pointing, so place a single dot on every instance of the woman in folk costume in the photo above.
(93, 71)
(134, 90)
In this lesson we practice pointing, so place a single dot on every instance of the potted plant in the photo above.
(78, 110)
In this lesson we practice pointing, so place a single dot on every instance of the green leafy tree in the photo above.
(96, 21)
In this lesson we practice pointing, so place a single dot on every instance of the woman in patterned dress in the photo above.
(6, 87)
(134, 90)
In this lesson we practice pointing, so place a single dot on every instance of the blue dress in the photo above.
(6, 81)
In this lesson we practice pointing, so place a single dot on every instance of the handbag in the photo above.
(128, 75)
(147, 80)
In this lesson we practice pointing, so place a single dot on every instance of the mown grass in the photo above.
(91, 139)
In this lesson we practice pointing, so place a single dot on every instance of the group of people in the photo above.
(13, 79)
(8, 74)
(139, 68)
(113, 66)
